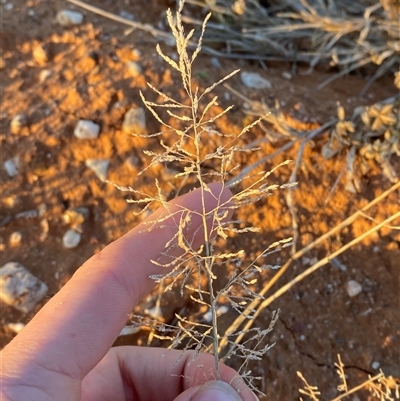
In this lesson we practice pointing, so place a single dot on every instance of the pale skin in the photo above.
(65, 353)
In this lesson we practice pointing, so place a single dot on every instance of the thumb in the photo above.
(215, 390)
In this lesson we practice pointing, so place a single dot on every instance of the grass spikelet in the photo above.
(198, 270)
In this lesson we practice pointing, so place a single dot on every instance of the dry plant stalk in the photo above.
(347, 34)
(197, 270)
(380, 386)
(261, 303)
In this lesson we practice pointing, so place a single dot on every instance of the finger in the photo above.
(215, 390)
(75, 329)
(141, 373)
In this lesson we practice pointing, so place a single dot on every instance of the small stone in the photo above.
(87, 129)
(15, 327)
(254, 80)
(40, 55)
(20, 288)
(134, 68)
(133, 162)
(98, 166)
(286, 75)
(134, 121)
(375, 365)
(44, 74)
(71, 239)
(353, 288)
(17, 123)
(15, 239)
(126, 15)
(216, 63)
(68, 18)
(129, 330)
(3, 64)
(27, 214)
(76, 217)
(9, 6)
(12, 166)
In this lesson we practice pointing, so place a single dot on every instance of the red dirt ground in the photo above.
(89, 80)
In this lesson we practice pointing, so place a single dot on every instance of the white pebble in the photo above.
(15, 239)
(17, 123)
(68, 18)
(134, 121)
(255, 80)
(15, 327)
(71, 239)
(98, 166)
(86, 129)
(375, 365)
(286, 75)
(44, 74)
(129, 330)
(20, 288)
(12, 166)
(134, 68)
(353, 288)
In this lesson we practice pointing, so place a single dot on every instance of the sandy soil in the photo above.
(88, 78)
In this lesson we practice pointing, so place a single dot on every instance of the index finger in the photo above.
(75, 329)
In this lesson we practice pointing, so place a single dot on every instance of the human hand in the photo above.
(64, 352)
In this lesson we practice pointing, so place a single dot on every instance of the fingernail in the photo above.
(216, 391)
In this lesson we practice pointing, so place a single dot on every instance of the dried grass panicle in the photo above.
(380, 386)
(197, 270)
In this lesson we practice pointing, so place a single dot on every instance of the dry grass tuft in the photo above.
(380, 387)
(346, 34)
